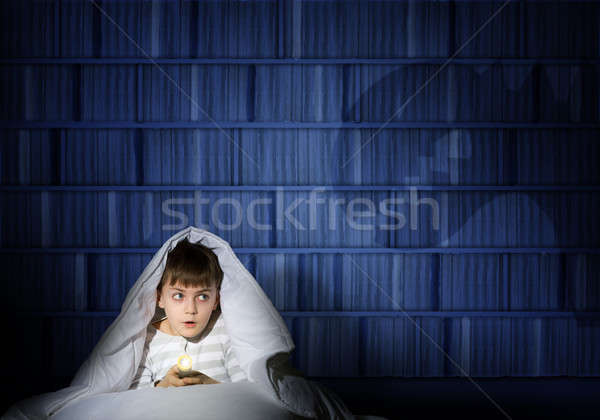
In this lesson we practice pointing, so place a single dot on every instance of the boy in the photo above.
(189, 294)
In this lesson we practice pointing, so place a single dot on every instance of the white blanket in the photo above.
(243, 400)
(259, 336)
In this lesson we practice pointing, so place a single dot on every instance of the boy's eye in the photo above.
(202, 297)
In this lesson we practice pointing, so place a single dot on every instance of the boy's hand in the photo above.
(199, 378)
(172, 379)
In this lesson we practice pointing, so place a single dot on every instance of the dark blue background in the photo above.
(246, 100)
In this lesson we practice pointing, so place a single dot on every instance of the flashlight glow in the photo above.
(184, 363)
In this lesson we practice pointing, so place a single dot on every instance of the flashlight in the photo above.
(184, 365)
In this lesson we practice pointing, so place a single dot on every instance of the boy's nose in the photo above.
(190, 307)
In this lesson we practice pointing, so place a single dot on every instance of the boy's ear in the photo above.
(217, 300)
(159, 299)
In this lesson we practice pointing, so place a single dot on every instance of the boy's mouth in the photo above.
(189, 324)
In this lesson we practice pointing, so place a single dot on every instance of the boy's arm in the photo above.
(232, 365)
(144, 377)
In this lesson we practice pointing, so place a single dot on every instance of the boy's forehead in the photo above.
(190, 289)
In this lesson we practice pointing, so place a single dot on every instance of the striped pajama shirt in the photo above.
(212, 355)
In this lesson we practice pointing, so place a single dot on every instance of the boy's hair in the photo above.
(191, 265)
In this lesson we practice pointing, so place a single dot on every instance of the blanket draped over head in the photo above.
(259, 337)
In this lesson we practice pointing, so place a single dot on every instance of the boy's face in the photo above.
(188, 309)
